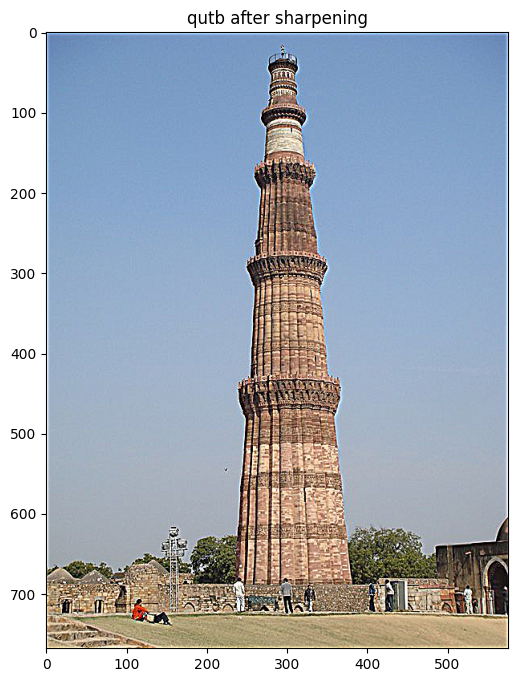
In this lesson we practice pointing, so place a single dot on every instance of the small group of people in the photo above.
(286, 592)
(389, 596)
(471, 605)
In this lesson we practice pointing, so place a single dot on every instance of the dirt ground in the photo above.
(314, 631)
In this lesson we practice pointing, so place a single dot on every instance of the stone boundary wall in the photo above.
(150, 582)
(423, 594)
(214, 598)
(153, 588)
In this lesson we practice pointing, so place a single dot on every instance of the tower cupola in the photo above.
(283, 117)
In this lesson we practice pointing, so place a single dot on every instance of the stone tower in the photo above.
(291, 516)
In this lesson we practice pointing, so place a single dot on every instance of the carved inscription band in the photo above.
(257, 395)
(287, 265)
(294, 479)
(294, 530)
(272, 171)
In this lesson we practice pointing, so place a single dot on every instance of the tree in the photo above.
(183, 566)
(104, 569)
(388, 552)
(213, 559)
(79, 569)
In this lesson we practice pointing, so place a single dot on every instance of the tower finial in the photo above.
(282, 50)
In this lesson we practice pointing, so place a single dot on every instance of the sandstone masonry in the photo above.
(291, 516)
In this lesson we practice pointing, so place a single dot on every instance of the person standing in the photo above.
(372, 595)
(468, 599)
(389, 596)
(309, 597)
(505, 595)
(287, 594)
(239, 591)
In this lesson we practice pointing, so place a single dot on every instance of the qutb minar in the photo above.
(291, 516)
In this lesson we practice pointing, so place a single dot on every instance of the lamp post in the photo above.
(174, 548)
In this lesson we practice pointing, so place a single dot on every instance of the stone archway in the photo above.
(496, 577)
(121, 601)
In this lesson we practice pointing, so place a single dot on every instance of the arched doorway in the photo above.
(65, 606)
(120, 602)
(497, 578)
(98, 606)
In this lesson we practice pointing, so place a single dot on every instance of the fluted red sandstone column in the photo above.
(291, 517)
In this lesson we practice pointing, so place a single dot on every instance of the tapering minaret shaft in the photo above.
(291, 518)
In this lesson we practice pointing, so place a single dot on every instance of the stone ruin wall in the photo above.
(141, 581)
(213, 598)
(423, 594)
(82, 596)
(147, 582)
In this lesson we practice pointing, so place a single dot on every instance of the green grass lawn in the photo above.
(314, 631)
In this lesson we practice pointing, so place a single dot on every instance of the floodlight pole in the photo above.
(176, 581)
(170, 576)
(174, 548)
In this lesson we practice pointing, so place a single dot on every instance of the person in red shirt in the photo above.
(139, 612)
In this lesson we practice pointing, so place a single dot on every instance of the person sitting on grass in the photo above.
(140, 613)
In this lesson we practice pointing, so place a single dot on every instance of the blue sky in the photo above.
(152, 215)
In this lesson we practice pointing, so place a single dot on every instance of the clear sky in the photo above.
(152, 214)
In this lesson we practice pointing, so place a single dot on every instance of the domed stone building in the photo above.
(93, 593)
(484, 566)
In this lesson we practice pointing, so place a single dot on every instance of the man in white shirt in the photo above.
(389, 597)
(468, 599)
(239, 591)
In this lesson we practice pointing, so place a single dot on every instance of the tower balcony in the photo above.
(313, 376)
(282, 56)
(283, 110)
(287, 264)
(282, 60)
